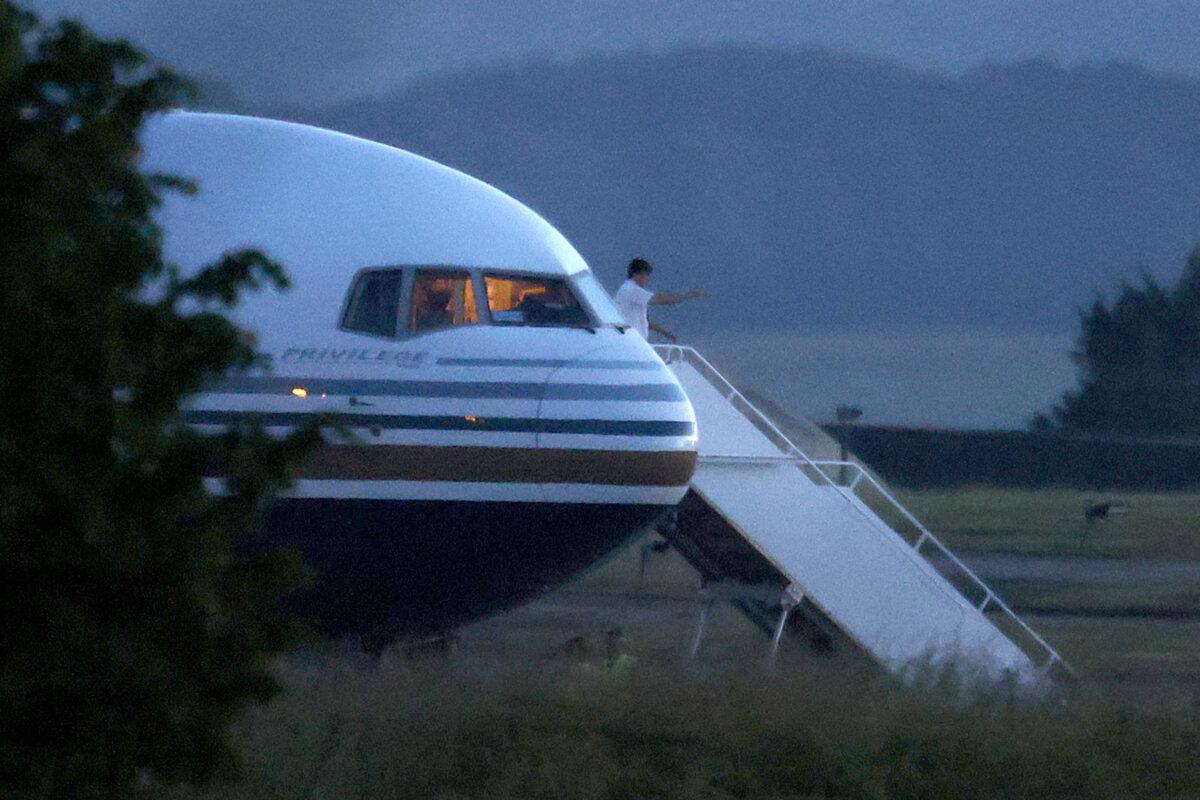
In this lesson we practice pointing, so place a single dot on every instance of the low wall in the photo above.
(921, 458)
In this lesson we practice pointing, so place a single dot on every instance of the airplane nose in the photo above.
(617, 427)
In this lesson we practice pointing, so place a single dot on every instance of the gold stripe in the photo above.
(500, 465)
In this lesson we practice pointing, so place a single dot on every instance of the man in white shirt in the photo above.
(633, 300)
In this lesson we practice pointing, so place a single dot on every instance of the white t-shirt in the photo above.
(632, 301)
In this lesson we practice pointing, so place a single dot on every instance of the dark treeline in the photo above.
(1139, 362)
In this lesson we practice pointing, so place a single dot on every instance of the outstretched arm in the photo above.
(672, 299)
(670, 337)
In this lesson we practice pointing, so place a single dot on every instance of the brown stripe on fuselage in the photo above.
(500, 465)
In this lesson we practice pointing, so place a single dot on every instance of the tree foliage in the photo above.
(133, 627)
(1139, 362)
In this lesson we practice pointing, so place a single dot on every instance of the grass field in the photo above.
(1050, 522)
(1114, 633)
(1175, 599)
(1132, 636)
(1109, 633)
(505, 714)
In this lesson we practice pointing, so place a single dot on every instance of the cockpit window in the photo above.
(374, 303)
(593, 295)
(533, 301)
(442, 299)
(395, 301)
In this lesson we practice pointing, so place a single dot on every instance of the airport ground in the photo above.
(503, 712)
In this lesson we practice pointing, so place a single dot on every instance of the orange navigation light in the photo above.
(300, 391)
(472, 418)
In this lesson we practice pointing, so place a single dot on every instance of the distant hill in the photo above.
(810, 191)
(213, 94)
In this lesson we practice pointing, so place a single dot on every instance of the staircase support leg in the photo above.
(792, 597)
(701, 624)
(780, 626)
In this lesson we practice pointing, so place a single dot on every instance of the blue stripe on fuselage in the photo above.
(660, 392)
(602, 427)
(553, 363)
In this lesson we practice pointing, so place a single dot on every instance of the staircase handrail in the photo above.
(719, 381)
(795, 454)
(929, 537)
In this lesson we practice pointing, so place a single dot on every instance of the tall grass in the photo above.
(499, 719)
(1158, 525)
(448, 729)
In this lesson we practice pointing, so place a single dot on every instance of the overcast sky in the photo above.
(315, 51)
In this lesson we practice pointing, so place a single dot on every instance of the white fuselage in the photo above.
(508, 428)
(477, 413)
(584, 414)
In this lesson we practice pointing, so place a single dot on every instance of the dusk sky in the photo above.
(315, 51)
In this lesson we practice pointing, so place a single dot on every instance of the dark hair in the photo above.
(639, 265)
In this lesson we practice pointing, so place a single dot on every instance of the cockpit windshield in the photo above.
(547, 302)
(374, 303)
(442, 299)
(598, 300)
(404, 301)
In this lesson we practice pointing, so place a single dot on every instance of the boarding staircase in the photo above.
(825, 552)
